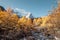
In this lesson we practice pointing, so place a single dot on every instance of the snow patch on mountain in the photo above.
(29, 15)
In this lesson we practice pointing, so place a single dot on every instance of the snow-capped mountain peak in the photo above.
(29, 15)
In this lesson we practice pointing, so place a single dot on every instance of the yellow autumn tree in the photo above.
(22, 20)
(29, 22)
(13, 20)
(4, 18)
(37, 21)
(8, 20)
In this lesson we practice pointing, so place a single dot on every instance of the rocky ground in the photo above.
(30, 34)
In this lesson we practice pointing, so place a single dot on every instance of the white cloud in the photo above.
(22, 11)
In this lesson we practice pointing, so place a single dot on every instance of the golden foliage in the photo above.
(37, 21)
(10, 19)
(22, 20)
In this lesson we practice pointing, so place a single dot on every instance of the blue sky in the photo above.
(37, 7)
